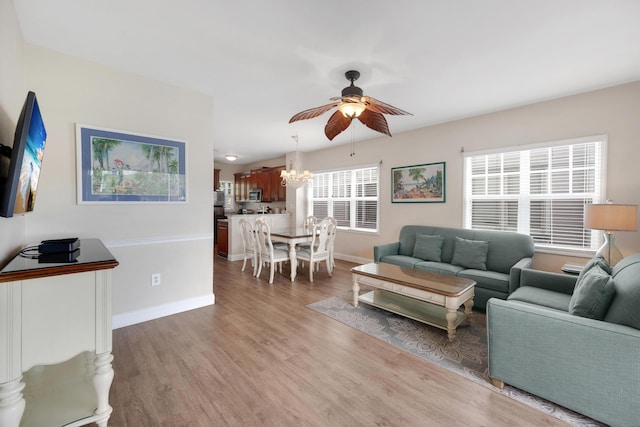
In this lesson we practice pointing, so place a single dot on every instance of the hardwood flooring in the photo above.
(259, 357)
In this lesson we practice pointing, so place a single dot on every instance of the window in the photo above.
(350, 196)
(540, 190)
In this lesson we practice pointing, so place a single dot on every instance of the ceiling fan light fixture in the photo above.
(351, 109)
(231, 157)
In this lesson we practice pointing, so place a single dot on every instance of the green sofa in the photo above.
(493, 259)
(573, 340)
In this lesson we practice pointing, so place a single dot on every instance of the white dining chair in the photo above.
(267, 220)
(318, 249)
(332, 239)
(267, 253)
(309, 222)
(249, 245)
(307, 225)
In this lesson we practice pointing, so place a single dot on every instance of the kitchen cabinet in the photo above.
(216, 179)
(223, 238)
(266, 179)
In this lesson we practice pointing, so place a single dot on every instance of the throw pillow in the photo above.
(595, 261)
(428, 247)
(593, 294)
(470, 253)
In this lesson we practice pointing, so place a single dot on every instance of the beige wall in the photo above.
(174, 240)
(12, 95)
(612, 111)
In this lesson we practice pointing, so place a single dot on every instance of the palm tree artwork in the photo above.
(419, 183)
(124, 167)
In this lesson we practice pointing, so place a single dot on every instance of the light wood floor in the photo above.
(259, 357)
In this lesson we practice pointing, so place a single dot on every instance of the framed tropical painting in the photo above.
(116, 166)
(424, 183)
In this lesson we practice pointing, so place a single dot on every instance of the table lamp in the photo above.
(610, 217)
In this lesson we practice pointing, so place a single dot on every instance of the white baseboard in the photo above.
(351, 258)
(139, 316)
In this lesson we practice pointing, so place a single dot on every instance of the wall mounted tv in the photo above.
(18, 192)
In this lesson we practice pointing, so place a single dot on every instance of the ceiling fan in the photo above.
(352, 104)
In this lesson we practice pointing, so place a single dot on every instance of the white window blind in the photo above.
(540, 191)
(350, 196)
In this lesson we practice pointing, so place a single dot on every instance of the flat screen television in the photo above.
(21, 185)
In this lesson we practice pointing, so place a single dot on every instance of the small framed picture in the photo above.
(424, 183)
(116, 166)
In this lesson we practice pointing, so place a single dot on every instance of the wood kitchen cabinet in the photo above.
(223, 238)
(216, 179)
(266, 179)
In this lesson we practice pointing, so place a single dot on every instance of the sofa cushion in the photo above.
(593, 294)
(428, 247)
(487, 279)
(624, 307)
(470, 253)
(401, 260)
(438, 267)
(543, 297)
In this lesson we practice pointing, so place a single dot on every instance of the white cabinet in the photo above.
(55, 337)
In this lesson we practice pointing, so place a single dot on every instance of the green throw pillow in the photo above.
(595, 261)
(593, 294)
(428, 247)
(470, 253)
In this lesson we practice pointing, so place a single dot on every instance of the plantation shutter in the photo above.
(350, 196)
(539, 191)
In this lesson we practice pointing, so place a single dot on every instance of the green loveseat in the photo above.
(573, 341)
(493, 259)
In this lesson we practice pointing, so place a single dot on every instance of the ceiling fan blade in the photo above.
(312, 112)
(384, 108)
(374, 120)
(336, 124)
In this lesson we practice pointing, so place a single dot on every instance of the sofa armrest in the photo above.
(586, 365)
(557, 282)
(514, 273)
(383, 250)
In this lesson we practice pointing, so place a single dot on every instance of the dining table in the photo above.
(292, 236)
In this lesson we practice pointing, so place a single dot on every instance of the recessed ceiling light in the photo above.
(231, 157)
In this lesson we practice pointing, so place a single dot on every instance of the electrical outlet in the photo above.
(155, 279)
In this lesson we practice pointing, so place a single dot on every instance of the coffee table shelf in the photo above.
(410, 307)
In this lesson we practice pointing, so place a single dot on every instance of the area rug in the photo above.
(466, 355)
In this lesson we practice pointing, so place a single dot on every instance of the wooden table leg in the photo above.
(293, 260)
(356, 290)
(102, 379)
(11, 403)
(451, 323)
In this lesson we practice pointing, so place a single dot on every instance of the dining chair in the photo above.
(309, 222)
(266, 219)
(267, 253)
(307, 225)
(249, 245)
(318, 249)
(332, 239)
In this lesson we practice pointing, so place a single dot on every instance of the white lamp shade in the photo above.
(611, 217)
(351, 109)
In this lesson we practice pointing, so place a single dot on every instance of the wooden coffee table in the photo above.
(427, 297)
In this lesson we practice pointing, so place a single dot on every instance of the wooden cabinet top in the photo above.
(93, 255)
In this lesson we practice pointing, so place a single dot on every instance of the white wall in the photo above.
(612, 111)
(12, 95)
(174, 240)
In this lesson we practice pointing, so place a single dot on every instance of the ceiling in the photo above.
(264, 61)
